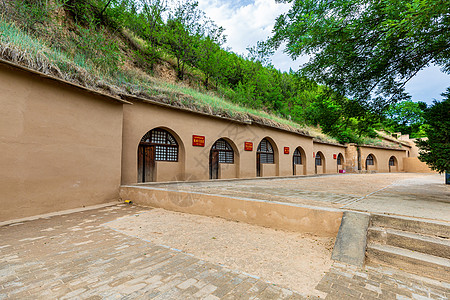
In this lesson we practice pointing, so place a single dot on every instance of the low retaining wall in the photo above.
(315, 220)
(414, 165)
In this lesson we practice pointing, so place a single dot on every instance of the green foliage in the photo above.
(108, 12)
(369, 49)
(435, 150)
(104, 33)
(406, 117)
(31, 14)
(94, 46)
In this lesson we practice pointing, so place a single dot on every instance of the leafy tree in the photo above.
(367, 50)
(435, 150)
(153, 24)
(406, 117)
(183, 32)
(208, 51)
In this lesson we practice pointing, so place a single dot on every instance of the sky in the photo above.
(249, 21)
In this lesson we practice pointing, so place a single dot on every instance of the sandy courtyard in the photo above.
(293, 260)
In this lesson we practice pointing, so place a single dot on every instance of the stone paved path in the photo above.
(349, 282)
(76, 257)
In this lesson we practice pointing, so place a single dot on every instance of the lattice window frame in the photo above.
(226, 152)
(297, 157)
(166, 146)
(392, 161)
(318, 160)
(266, 153)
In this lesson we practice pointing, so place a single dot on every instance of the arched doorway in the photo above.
(156, 145)
(298, 162)
(370, 162)
(340, 162)
(264, 155)
(221, 153)
(393, 164)
(319, 163)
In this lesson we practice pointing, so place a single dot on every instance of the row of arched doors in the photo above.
(371, 163)
(160, 145)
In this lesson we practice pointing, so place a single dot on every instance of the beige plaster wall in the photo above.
(382, 158)
(167, 171)
(300, 169)
(268, 170)
(414, 165)
(328, 151)
(414, 151)
(227, 171)
(60, 147)
(351, 159)
(193, 163)
(318, 221)
(320, 170)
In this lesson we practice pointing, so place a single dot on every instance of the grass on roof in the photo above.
(25, 49)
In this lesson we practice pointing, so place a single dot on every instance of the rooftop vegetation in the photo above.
(174, 55)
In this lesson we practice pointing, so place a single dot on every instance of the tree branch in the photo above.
(104, 8)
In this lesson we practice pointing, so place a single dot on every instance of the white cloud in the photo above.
(245, 24)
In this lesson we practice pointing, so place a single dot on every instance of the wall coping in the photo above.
(9, 64)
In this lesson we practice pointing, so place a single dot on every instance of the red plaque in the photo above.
(334, 156)
(286, 150)
(198, 140)
(314, 155)
(248, 146)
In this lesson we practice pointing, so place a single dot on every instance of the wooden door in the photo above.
(146, 163)
(149, 164)
(214, 164)
(293, 165)
(141, 163)
(258, 164)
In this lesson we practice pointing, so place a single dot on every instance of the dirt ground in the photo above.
(293, 260)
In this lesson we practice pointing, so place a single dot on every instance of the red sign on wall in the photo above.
(314, 155)
(334, 156)
(248, 146)
(198, 140)
(286, 150)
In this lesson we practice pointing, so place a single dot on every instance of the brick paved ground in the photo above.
(348, 282)
(75, 257)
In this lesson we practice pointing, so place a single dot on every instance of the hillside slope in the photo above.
(110, 57)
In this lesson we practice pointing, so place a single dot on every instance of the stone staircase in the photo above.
(413, 245)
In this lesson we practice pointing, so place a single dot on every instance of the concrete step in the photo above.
(412, 241)
(409, 261)
(426, 227)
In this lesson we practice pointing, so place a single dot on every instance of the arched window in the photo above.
(265, 151)
(297, 157)
(318, 159)
(166, 146)
(226, 153)
(392, 161)
(340, 158)
(369, 160)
